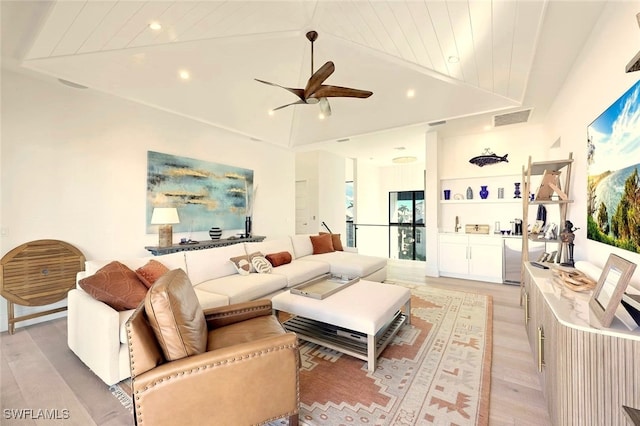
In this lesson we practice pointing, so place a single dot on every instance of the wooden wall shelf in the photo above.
(201, 245)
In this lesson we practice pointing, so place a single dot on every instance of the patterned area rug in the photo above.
(436, 371)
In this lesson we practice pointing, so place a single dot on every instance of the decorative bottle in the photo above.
(247, 227)
(469, 193)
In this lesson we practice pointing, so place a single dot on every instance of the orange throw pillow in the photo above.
(321, 243)
(280, 258)
(335, 239)
(150, 272)
(116, 285)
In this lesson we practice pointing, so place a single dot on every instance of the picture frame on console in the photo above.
(612, 284)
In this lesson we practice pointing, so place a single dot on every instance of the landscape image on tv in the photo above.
(613, 162)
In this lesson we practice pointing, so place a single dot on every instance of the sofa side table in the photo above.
(38, 273)
(201, 245)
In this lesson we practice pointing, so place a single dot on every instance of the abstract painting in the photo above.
(206, 194)
(613, 183)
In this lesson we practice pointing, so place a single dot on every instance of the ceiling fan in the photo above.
(315, 92)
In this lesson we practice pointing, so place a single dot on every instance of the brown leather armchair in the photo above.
(233, 365)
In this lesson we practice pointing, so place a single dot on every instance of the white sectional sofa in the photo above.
(96, 332)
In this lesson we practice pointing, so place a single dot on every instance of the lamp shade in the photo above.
(164, 216)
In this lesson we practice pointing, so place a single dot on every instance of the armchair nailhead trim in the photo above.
(240, 311)
(138, 393)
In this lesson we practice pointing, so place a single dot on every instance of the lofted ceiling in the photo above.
(463, 60)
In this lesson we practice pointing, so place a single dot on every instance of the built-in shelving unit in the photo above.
(458, 186)
(481, 201)
(490, 211)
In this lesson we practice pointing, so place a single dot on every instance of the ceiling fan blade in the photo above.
(325, 91)
(293, 103)
(298, 92)
(318, 78)
(325, 108)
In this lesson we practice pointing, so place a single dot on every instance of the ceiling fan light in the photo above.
(325, 108)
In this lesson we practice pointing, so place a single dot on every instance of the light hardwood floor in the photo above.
(39, 372)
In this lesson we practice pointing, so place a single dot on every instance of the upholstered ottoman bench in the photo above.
(359, 320)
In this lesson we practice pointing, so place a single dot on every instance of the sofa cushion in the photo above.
(322, 244)
(279, 259)
(176, 316)
(301, 245)
(335, 240)
(203, 265)
(116, 285)
(210, 300)
(301, 270)
(240, 288)
(150, 272)
(352, 264)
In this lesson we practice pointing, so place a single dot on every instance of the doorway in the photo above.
(406, 225)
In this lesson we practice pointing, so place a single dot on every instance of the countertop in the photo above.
(491, 234)
(571, 308)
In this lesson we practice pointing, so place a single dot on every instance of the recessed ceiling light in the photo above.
(453, 59)
(487, 127)
(184, 74)
(321, 116)
(271, 112)
(155, 26)
(411, 93)
(404, 160)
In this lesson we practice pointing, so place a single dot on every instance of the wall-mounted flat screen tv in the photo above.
(613, 180)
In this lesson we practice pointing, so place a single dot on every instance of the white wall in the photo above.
(325, 174)
(595, 82)
(74, 166)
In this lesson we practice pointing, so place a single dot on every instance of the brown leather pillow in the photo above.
(280, 258)
(321, 243)
(116, 285)
(335, 239)
(176, 316)
(150, 272)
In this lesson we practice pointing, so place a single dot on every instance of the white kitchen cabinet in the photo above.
(473, 257)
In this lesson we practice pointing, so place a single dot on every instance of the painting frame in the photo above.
(206, 194)
(611, 285)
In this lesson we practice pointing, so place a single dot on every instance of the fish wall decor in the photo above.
(488, 158)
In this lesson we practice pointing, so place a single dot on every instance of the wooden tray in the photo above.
(324, 286)
(476, 229)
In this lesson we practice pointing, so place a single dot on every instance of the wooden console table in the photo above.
(201, 245)
(587, 372)
(38, 273)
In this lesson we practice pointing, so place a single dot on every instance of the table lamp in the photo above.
(165, 216)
